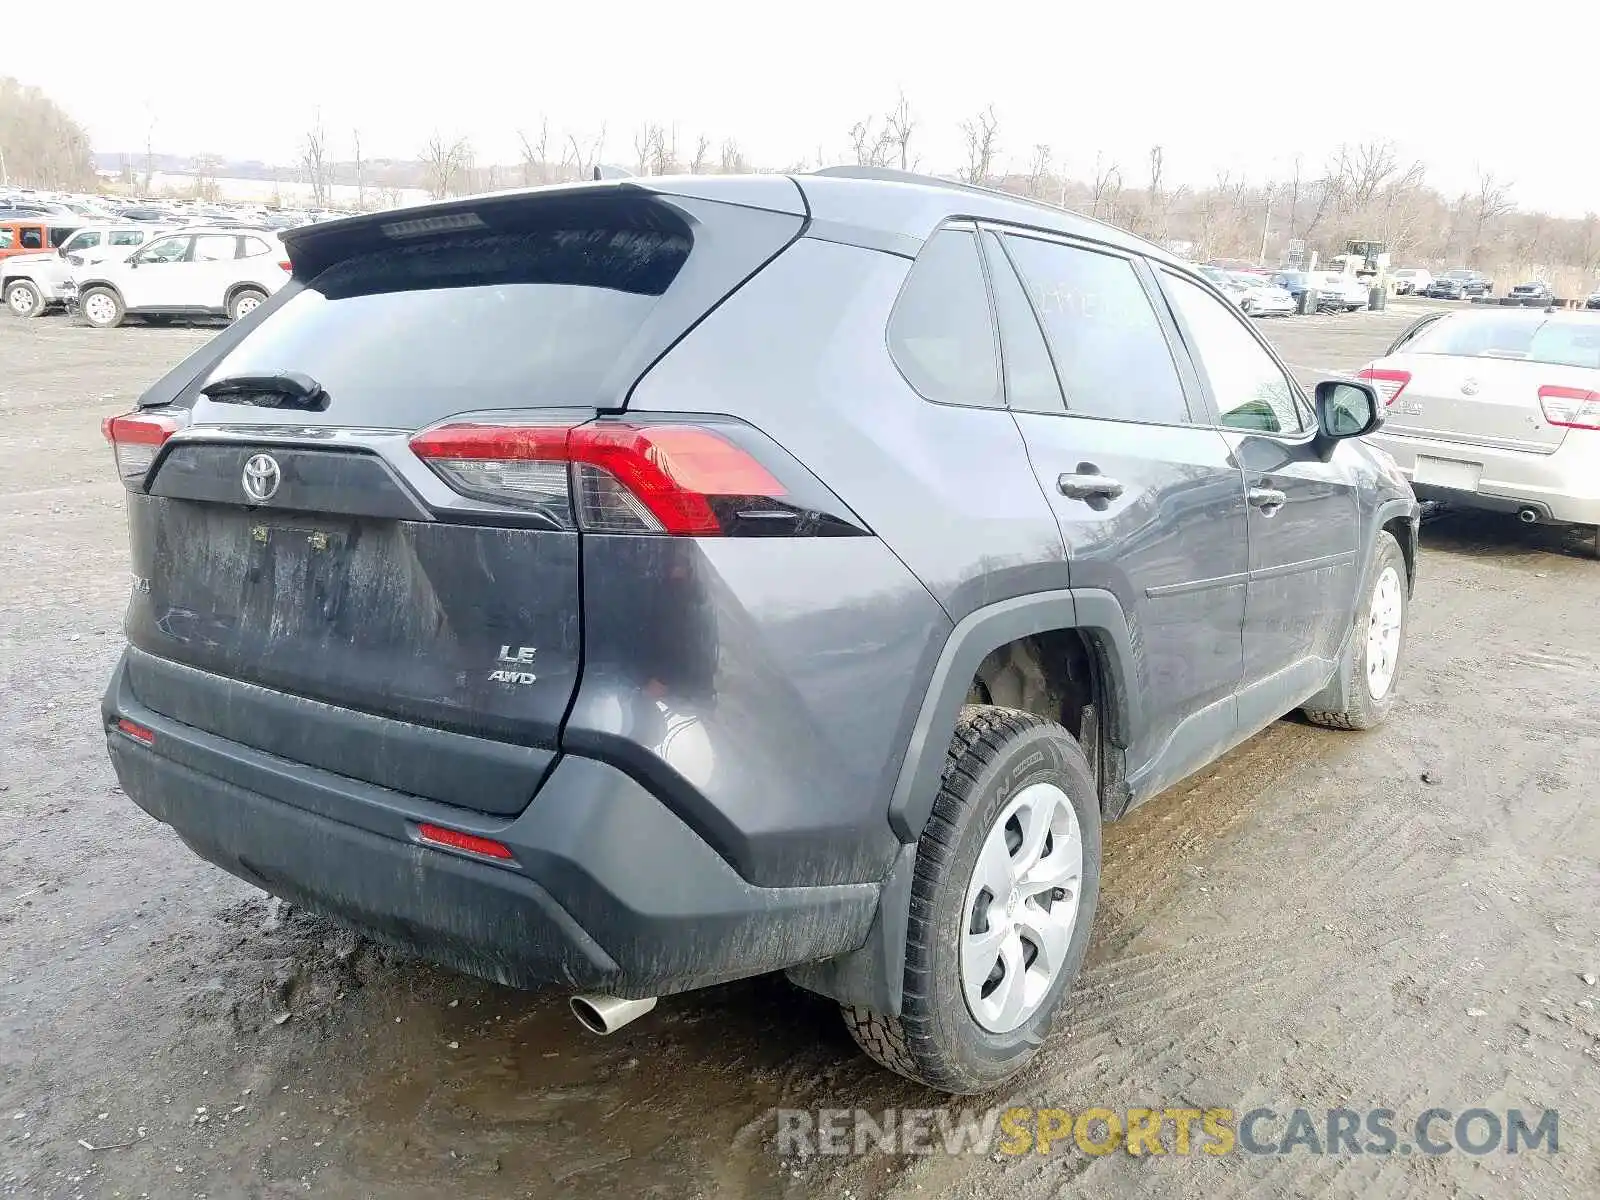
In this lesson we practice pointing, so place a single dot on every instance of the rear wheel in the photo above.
(101, 307)
(24, 299)
(244, 302)
(1377, 643)
(1007, 876)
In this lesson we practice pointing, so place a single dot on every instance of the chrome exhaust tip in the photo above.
(607, 1014)
(1528, 516)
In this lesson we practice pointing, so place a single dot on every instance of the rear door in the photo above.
(213, 269)
(293, 539)
(1304, 518)
(1150, 505)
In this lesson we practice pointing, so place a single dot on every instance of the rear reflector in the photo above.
(437, 835)
(136, 438)
(137, 732)
(606, 477)
(1570, 407)
(1388, 382)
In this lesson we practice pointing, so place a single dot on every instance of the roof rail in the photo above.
(894, 175)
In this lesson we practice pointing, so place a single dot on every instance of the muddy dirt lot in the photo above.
(1403, 919)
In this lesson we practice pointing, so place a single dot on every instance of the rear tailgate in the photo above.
(288, 543)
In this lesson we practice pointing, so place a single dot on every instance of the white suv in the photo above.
(31, 284)
(197, 272)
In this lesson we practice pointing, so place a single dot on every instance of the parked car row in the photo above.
(109, 272)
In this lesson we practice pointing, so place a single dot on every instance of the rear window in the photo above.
(1554, 343)
(401, 335)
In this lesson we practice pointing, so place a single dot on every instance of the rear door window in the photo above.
(941, 332)
(32, 238)
(1031, 383)
(1111, 353)
(125, 237)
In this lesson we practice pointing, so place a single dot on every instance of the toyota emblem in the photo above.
(262, 476)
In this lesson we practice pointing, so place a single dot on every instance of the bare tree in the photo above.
(314, 160)
(536, 166)
(702, 155)
(1107, 187)
(981, 134)
(1038, 170)
(446, 165)
(205, 167)
(664, 151)
(361, 178)
(733, 159)
(870, 146)
(1491, 202)
(584, 156)
(899, 125)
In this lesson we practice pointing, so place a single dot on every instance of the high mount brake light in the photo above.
(1388, 381)
(1570, 407)
(616, 477)
(136, 438)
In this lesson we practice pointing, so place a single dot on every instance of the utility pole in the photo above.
(1266, 228)
(5, 176)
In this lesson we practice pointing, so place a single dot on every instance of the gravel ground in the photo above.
(1400, 919)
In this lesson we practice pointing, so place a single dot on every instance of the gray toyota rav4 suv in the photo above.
(638, 585)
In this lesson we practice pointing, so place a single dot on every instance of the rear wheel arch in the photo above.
(1067, 655)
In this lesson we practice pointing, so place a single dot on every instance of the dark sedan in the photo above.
(1536, 289)
(1446, 288)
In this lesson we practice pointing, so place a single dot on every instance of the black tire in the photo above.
(116, 310)
(1362, 709)
(24, 299)
(1583, 540)
(248, 299)
(936, 1041)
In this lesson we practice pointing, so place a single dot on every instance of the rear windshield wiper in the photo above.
(279, 389)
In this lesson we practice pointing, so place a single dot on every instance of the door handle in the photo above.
(1087, 485)
(1268, 500)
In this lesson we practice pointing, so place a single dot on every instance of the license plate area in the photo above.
(1447, 473)
(296, 579)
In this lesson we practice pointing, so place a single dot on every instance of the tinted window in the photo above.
(941, 333)
(1109, 349)
(83, 241)
(1250, 389)
(33, 238)
(1030, 376)
(215, 247)
(125, 237)
(407, 333)
(166, 250)
(59, 236)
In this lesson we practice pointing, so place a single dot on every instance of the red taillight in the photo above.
(437, 835)
(287, 266)
(1388, 381)
(617, 478)
(1570, 407)
(136, 438)
(137, 732)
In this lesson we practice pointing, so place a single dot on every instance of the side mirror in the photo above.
(1347, 408)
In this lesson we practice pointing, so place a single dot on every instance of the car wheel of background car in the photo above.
(24, 299)
(101, 307)
(245, 301)
(1376, 649)
(1582, 539)
(1007, 876)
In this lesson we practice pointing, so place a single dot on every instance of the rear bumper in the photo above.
(1563, 486)
(607, 890)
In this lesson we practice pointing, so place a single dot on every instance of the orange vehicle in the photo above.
(31, 235)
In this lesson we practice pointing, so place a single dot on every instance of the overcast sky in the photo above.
(1221, 85)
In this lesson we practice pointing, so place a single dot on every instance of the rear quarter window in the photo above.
(941, 332)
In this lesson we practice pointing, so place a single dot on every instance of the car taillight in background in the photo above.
(1388, 382)
(136, 438)
(609, 477)
(285, 265)
(1570, 407)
